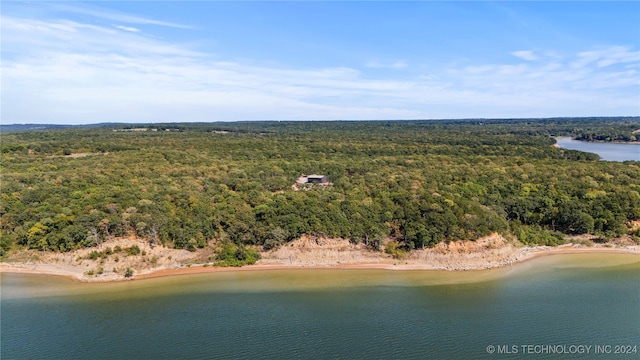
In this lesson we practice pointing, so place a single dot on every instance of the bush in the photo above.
(394, 250)
(128, 273)
(234, 255)
(133, 250)
(6, 242)
(537, 236)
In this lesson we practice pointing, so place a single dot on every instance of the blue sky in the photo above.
(69, 62)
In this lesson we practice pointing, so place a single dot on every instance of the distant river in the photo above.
(607, 151)
(552, 307)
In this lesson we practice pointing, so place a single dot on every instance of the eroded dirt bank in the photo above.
(114, 257)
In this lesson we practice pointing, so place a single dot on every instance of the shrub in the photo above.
(536, 236)
(133, 250)
(128, 273)
(6, 242)
(234, 255)
(394, 250)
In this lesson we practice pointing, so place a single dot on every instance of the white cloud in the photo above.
(511, 70)
(619, 55)
(607, 56)
(127, 28)
(526, 55)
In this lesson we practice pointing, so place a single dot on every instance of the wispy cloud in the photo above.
(65, 36)
(126, 28)
(115, 16)
(526, 55)
(607, 56)
(400, 64)
(69, 71)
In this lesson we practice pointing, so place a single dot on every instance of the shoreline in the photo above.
(596, 141)
(384, 266)
(519, 256)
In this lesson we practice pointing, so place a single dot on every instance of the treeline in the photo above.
(418, 182)
(609, 135)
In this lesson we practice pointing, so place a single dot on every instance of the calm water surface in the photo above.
(586, 299)
(607, 151)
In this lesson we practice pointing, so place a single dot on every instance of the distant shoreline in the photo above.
(617, 151)
(519, 256)
(597, 141)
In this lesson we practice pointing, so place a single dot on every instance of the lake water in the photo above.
(607, 151)
(560, 301)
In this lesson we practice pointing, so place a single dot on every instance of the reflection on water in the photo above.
(564, 299)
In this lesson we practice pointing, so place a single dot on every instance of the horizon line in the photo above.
(326, 120)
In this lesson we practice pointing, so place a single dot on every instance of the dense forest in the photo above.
(414, 182)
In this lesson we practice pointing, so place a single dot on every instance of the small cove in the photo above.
(607, 151)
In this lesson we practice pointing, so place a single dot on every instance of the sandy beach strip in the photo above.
(519, 255)
(394, 265)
